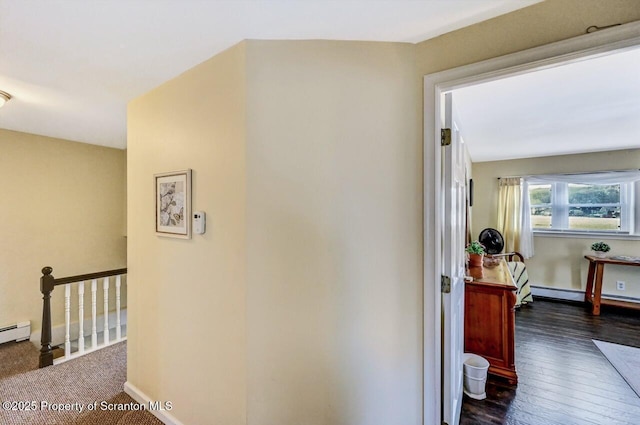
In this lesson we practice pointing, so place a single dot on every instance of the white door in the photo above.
(453, 266)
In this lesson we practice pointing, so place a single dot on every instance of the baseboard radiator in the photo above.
(18, 332)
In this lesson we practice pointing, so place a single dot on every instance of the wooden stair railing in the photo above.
(48, 284)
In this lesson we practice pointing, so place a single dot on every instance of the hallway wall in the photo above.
(63, 206)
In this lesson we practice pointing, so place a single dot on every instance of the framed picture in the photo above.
(173, 204)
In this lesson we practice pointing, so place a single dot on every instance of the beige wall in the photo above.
(333, 259)
(542, 23)
(306, 289)
(187, 326)
(558, 262)
(63, 206)
(334, 236)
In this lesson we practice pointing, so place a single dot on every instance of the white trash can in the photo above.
(475, 376)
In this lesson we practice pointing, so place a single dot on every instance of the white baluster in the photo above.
(67, 319)
(81, 317)
(105, 286)
(118, 324)
(94, 331)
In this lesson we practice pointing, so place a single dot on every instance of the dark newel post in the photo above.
(46, 286)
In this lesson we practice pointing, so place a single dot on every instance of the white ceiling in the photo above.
(72, 65)
(587, 106)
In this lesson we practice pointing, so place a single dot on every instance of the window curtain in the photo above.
(526, 238)
(510, 212)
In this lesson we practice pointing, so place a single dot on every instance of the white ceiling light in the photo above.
(4, 98)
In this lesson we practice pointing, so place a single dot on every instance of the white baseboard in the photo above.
(573, 295)
(57, 332)
(140, 397)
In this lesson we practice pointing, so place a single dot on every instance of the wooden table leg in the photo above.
(597, 293)
(588, 293)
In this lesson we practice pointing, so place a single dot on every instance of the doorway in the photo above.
(553, 55)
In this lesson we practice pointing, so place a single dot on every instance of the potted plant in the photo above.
(600, 249)
(476, 254)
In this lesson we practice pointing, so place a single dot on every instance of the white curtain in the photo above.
(526, 237)
(510, 212)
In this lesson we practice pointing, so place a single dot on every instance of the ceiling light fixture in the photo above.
(4, 98)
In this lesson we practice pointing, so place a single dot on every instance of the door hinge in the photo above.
(445, 284)
(445, 137)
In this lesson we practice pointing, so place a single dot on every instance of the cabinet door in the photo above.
(484, 324)
(490, 328)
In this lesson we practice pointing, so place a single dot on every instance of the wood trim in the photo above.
(88, 276)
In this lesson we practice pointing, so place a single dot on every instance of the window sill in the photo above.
(584, 235)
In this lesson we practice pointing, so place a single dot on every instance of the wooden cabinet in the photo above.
(489, 318)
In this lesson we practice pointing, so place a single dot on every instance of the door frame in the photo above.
(575, 49)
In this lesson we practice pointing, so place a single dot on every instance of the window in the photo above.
(594, 207)
(541, 208)
(580, 203)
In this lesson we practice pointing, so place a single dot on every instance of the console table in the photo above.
(489, 318)
(593, 291)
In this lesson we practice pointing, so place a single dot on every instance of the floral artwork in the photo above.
(173, 204)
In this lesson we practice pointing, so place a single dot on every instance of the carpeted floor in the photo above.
(16, 358)
(625, 359)
(62, 394)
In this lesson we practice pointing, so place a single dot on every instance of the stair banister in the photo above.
(47, 285)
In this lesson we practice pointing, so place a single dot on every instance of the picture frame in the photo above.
(173, 204)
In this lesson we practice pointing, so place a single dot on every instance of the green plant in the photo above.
(600, 247)
(475, 247)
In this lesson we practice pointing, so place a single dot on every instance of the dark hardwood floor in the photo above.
(563, 378)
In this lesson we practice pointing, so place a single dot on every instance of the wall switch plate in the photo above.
(620, 285)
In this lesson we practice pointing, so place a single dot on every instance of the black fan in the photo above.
(492, 241)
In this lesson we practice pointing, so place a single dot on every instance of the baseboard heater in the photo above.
(21, 331)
